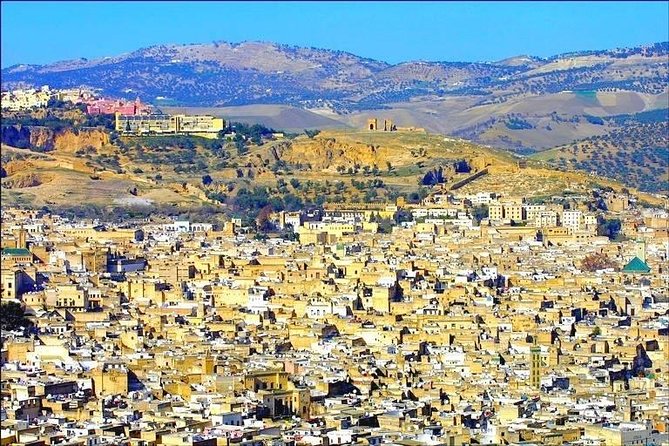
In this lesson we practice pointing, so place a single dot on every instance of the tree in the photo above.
(12, 317)
(403, 215)
(433, 177)
(385, 225)
(480, 212)
(295, 183)
(207, 180)
(609, 227)
(262, 221)
(413, 198)
(597, 261)
(311, 134)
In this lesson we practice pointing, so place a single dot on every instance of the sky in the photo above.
(44, 32)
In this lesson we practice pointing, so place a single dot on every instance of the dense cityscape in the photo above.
(443, 331)
(447, 227)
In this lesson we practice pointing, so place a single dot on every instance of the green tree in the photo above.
(311, 134)
(403, 215)
(480, 212)
(12, 317)
(609, 227)
(385, 225)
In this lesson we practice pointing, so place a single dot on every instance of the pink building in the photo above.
(111, 106)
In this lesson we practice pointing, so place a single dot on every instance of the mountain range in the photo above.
(525, 104)
(225, 74)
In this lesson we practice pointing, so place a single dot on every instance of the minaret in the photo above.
(535, 365)
(21, 243)
(641, 249)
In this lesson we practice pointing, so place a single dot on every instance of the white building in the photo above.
(545, 219)
(482, 198)
(572, 220)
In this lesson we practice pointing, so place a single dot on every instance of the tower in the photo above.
(21, 243)
(641, 249)
(387, 125)
(372, 124)
(535, 365)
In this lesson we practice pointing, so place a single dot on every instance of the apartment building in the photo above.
(203, 125)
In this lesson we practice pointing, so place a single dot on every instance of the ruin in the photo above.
(388, 126)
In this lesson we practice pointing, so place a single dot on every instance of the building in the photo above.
(496, 212)
(26, 99)
(388, 126)
(636, 266)
(572, 220)
(513, 212)
(200, 125)
(110, 107)
(546, 219)
(535, 365)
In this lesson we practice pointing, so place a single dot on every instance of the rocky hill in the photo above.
(140, 175)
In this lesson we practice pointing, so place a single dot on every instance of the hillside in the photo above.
(636, 154)
(66, 164)
(221, 74)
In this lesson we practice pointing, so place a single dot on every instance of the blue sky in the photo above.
(43, 32)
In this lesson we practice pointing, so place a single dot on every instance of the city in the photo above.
(259, 244)
(182, 334)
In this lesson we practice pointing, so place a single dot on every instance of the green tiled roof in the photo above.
(15, 252)
(636, 265)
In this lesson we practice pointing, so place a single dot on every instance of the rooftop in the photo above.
(636, 266)
(15, 252)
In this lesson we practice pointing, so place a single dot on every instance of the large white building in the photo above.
(546, 219)
(572, 219)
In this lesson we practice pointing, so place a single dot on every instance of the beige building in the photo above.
(199, 125)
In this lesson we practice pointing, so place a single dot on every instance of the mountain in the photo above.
(525, 104)
(224, 74)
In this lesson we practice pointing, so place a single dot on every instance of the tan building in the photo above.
(203, 125)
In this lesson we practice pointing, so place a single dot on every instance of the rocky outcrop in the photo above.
(13, 167)
(25, 180)
(327, 153)
(71, 141)
(46, 139)
(28, 137)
